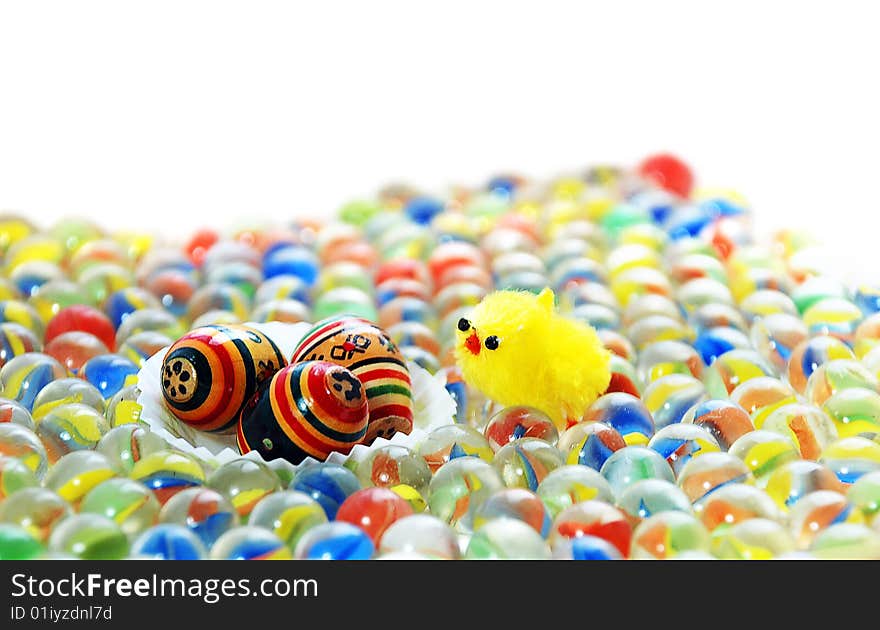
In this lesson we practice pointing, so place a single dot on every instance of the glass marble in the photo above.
(833, 316)
(67, 391)
(702, 476)
(248, 542)
(337, 540)
(423, 534)
(459, 487)
(123, 407)
(679, 443)
(76, 473)
(17, 544)
(711, 343)
(851, 457)
(298, 262)
(82, 318)
(35, 509)
(451, 441)
(157, 319)
(525, 462)
(129, 503)
(392, 465)
(864, 494)
(732, 369)
(807, 426)
(628, 415)
(73, 349)
(120, 304)
(776, 336)
(55, 295)
(753, 539)
(89, 537)
(854, 411)
(669, 397)
(13, 413)
(345, 300)
(654, 328)
(513, 423)
(763, 452)
(205, 512)
(668, 534)
(109, 373)
(28, 277)
(735, 503)
(168, 542)
(515, 503)
(815, 289)
(23, 444)
(289, 311)
(71, 427)
(645, 498)
(710, 316)
(817, 511)
(16, 340)
(289, 514)
(168, 472)
(141, 346)
(373, 510)
(639, 281)
(651, 304)
(761, 396)
(585, 548)
(668, 357)
(506, 539)
(725, 420)
(22, 378)
(832, 377)
(593, 518)
(867, 335)
(15, 476)
(245, 482)
(283, 287)
(632, 464)
(572, 484)
(575, 271)
(846, 541)
(623, 377)
(590, 443)
(23, 314)
(699, 291)
(795, 479)
(328, 484)
(810, 354)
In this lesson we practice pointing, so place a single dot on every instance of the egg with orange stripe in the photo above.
(369, 352)
(211, 372)
(311, 408)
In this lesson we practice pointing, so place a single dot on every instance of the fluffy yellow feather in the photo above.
(517, 350)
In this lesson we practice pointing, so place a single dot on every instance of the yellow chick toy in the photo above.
(517, 350)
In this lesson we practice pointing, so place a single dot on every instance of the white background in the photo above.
(171, 115)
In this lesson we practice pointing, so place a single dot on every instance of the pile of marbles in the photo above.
(741, 422)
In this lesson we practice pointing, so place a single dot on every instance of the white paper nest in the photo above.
(432, 407)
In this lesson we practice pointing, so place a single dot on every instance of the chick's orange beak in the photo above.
(472, 343)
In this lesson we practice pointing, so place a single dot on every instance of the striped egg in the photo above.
(373, 357)
(210, 373)
(312, 408)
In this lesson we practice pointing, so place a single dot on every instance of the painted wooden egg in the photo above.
(211, 372)
(369, 352)
(310, 408)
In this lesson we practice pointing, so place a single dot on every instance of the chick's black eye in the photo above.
(491, 343)
(464, 325)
